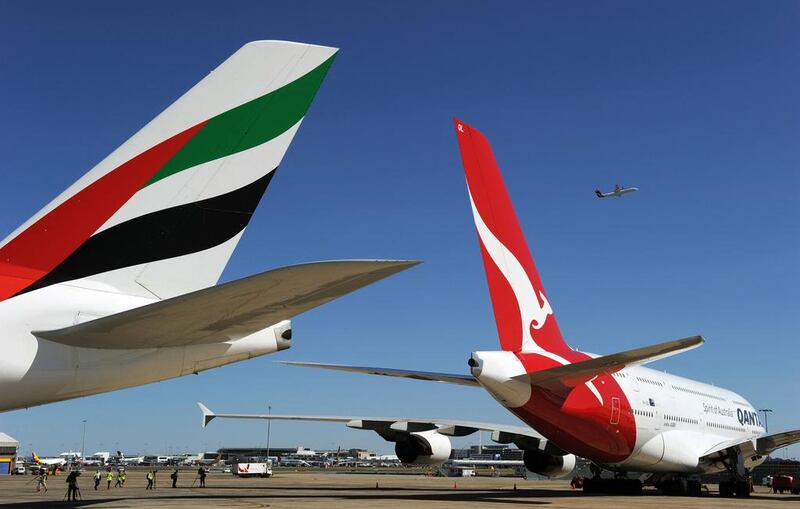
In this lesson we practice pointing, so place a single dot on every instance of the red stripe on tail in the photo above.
(47, 242)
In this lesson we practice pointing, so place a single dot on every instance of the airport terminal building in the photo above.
(8, 454)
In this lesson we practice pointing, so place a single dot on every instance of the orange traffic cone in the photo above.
(455, 486)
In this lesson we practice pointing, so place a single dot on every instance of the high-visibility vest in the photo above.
(110, 477)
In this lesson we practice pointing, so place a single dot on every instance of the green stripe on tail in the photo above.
(251, 124)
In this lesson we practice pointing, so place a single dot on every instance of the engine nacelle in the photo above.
(423, 448)
(548, 465)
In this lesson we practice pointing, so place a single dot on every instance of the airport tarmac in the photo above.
(325, 490)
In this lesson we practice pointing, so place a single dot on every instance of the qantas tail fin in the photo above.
(162, 214)
(524, 317)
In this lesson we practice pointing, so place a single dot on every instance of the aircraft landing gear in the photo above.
(740, 485)
(619, 485)
(615, 486)
(731, 488)
(681, 487)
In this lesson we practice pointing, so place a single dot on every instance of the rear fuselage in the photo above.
(637, 419)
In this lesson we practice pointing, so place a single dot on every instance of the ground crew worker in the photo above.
(109, 478)
(72, 485)
(122, 477)
(119, 479)
(202, 473)
(174, 477)
(149, 478)
(97, 478)
(41, 480)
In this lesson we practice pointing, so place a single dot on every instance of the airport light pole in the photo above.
(83, 442)
(269, 429)
(766, 425)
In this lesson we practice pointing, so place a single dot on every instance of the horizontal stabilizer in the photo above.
(228, 311)
(572, 375)
(400, 373)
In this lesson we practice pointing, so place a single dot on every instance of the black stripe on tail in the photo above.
(167, 233)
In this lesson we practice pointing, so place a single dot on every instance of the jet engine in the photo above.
(548, 465)
(423, 448)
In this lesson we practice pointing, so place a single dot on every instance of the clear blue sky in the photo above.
(694, 102)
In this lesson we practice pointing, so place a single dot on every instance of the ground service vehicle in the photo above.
(781, 483)
(253, 470)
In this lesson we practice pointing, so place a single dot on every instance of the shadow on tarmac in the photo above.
(218, 495)
(209, 495)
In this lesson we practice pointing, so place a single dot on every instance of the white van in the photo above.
(253, 470)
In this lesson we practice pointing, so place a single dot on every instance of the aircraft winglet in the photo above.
(207, 414)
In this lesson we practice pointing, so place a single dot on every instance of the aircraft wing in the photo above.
(401, 373)
(763, 445)
(487, 463)
(228, 311)
(577, 373)
(768, 443)
(522, 436)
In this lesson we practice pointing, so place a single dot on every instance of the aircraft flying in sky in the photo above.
(609, 409)
(111, 285)
(618, 192)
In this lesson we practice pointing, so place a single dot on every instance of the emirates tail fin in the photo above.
(162, 214)
(525, 320)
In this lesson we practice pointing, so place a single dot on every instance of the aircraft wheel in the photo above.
(726, 489)
(675, 487)
(634, 487)
(742, 489)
